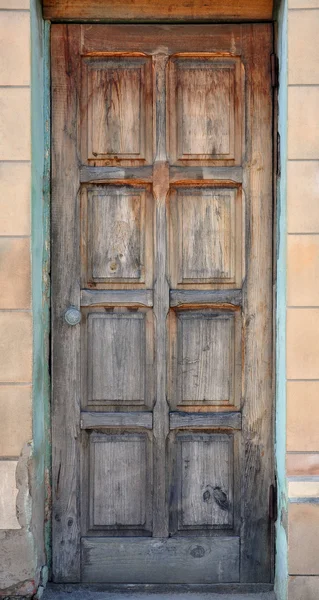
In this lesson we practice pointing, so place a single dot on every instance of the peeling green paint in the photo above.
(40, 251)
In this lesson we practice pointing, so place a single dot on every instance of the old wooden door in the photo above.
(162, 317)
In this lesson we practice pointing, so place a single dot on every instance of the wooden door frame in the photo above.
(55, 12)
(145, 11)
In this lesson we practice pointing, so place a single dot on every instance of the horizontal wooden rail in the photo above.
(95, 420)
(220, 420)
(202, 297)
(116, 297)
(161, 10)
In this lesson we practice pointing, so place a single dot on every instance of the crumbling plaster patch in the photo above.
(19, 572)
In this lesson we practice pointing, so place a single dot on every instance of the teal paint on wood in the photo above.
(46, 290)
(40, 194)
(281, 575)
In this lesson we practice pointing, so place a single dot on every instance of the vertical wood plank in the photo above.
(65, 44)
(161, 302)
(257, 296)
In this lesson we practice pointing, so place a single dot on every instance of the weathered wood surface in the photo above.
(161, 302)
(97, 420)
(152, 39)
(195, 560)
(120, 482)
(117, 358)
(172, 269)
(116, 297)
(65, 292)
(225, 175)
(116, 235)
(164, 10)
(206, 236)
(178, 174)
(257, 311)
(200, 297)
(204, 476)
(89, 174)
(205, 358)
(218, 420)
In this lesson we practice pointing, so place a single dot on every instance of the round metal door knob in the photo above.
(72, 316)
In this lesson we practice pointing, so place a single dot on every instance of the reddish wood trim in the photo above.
(161, 10)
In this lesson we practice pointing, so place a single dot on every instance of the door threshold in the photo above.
(58, 591)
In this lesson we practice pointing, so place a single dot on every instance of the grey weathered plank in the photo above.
(96, 420)
(161, 301)
(179, 560)
(208, 215)
(200, 297)
(204, 477)
(120, 481)
(206, 242)
(90, 174)
(117, 358)
(257, 475)
(116, 297)
(205, 358)
(205, 420)
(65, 44)
(116, 216)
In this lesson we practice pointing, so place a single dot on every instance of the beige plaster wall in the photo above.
(18, 573)
(303, 300)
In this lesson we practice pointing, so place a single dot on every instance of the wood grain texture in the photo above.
(204, 479)
(197, 297)
(116, 297)
(97, 420)
(257, 309)
(205, 358)
(65, 45)
(117, 358)
(206, 237)
(120, 481)
(225, 175)
(205, 110)
(205, 347)
(195, 560)
(155, 39)
(117, 111)
(166, 132)
(225, 420)
(161, 307)
(89, 174)
(117, 228)
(164, 10)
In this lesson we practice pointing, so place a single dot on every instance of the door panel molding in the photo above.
(162, 241)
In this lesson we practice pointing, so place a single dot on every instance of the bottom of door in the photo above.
(155, 560)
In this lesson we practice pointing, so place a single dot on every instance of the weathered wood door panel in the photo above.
(162, 249)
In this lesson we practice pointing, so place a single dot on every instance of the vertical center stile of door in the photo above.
(161, 298)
